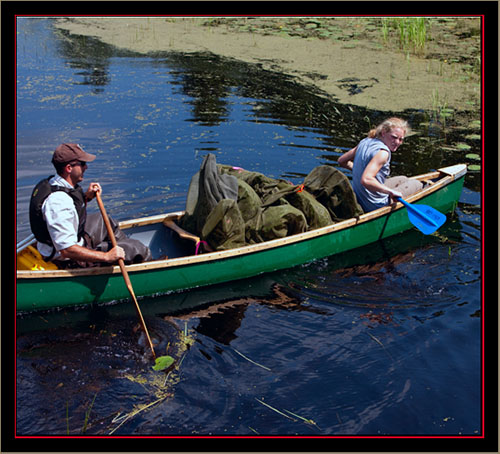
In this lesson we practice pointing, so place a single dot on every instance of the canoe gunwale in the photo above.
(444, 177)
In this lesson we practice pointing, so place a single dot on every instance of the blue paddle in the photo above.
(423, 217)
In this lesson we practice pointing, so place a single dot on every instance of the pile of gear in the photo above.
(229, 207)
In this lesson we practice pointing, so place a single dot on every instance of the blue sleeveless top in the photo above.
(367, 149)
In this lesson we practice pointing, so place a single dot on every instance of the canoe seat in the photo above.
(30, 259)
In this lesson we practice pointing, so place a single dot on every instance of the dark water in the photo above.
(381, 341)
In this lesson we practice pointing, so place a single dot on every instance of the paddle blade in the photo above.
(424, 217)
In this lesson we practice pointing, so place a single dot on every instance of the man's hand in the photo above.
(91, 192)
(114, 254)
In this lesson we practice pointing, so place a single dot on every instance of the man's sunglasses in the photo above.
(77, 163)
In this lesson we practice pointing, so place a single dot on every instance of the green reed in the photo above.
(87, 415)
(411, 32)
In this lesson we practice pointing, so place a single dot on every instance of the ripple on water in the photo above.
(376, 287)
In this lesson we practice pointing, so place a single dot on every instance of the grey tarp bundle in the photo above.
(207, 188)
(211, 207)
(229, 207)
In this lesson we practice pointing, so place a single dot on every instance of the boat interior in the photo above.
(164, 242)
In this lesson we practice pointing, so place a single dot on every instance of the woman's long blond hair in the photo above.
(389, 125)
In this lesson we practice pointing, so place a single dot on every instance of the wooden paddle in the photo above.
(124, 272)
(424, 217)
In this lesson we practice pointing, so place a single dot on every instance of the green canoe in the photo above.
(45, 289)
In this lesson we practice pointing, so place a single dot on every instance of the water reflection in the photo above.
(87, 55)
(200, 78)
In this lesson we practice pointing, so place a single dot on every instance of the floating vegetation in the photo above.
(446, 112)
(248, 359)
(473, 157)
(274, 409)
(163, 362)
(476, 124)
(124, 418)
(381, 344)
(307, 421)
(462, 146)
(293, 416)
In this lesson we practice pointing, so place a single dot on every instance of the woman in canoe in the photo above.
(370, 164)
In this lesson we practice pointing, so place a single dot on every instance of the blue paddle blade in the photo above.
(424, 217)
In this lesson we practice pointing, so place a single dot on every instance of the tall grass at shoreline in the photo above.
(410, 31)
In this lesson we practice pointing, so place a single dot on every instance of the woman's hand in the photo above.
(394, 195)
(347, 159)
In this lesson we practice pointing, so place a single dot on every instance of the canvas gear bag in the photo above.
(229, 207)
(258, 197)
(281, 221)
(333, 190)
(273, 192)
(224, 227)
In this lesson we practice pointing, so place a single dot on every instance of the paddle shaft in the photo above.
(124, 272)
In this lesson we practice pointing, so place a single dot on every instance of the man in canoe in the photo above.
(370, 164)
(59, 221)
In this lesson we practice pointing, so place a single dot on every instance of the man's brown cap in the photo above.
(67, 152)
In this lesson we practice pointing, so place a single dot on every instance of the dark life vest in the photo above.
(41, 191)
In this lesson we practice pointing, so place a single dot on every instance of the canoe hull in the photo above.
(172, 275)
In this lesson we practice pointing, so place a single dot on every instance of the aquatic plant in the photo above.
(163, 362)
(290, 415)
(440, 110)
(87, 415)
(67, 418)
(410, 31)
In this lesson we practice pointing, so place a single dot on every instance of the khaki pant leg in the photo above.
(404, 185)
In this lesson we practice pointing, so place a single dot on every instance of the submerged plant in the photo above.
(87, 415)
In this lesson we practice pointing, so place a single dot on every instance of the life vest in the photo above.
(41, 191)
